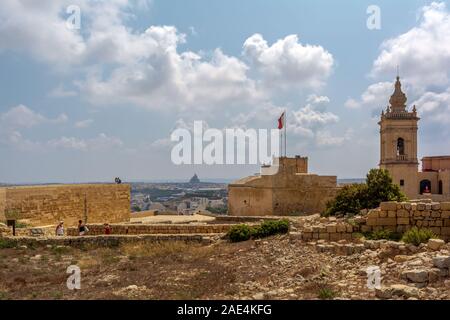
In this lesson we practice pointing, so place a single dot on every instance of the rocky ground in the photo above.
(280, 267)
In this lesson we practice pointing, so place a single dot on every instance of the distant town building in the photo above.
(194, 179)
(398, 153)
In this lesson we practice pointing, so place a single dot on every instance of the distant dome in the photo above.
(194, 179)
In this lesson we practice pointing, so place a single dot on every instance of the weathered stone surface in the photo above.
(421, 206)
(373, 214)
(387, 221)
(401, 258)
(435, 244)
(435, 206)
(396, 290)
(416, 275)
(403, 221)
(390, 205)
(441, 261)
(392, 214)
(46, 205)
(282, 193)
(404, 290)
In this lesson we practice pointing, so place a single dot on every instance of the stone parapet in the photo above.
(104, 241)
(131, 229)
(46, 205)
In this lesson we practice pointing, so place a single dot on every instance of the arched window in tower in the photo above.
(440, 187)
(400, 147)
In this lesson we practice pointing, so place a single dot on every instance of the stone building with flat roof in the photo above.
(398, 153)
(283, 188)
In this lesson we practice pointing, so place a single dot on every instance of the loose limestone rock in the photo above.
(397, 290)
(416, 275)
(435, 244)
(441, 262)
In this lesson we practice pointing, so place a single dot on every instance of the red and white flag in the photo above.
(281, 121)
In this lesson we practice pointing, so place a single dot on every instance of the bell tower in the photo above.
(398, 141)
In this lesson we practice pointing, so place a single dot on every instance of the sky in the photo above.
(90, 103)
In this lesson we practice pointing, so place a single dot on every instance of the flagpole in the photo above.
(285, 136)
(281, 144)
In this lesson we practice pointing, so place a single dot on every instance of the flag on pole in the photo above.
(281, 121)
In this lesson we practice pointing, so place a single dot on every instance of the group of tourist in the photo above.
(82, 228)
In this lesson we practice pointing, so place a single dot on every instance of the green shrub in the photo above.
(244, 232)
(136, 208)
(381, 188)
(383, 234)
(417, 236)
(358, 235)
(21, 225)
(240, 232)
(6, 244)
(326, 293)
(217, 210)
(269, 228)
(352, 198)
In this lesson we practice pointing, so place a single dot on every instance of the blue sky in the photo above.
(101, 101)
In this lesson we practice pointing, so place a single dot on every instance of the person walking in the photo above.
(82, 228)
(60, 229)
(107, 228)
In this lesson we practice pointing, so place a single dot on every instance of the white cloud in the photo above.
(434, 107)
(83, 123)
(423, 52)
(40, 30)
(313, 98)
(376, 96)
(287, 63)
(14, 138)
(61, 92)
(172, 80)
(311, 119)
(125, 66)
(101, 142)
(68, 143)
(266, 114)
(326, 138)
(22, 116)
(352, 103)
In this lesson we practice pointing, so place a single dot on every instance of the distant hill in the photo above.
(351, 181)
(194, 179)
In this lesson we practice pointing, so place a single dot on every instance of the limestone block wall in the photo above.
(249, 201)
(332, 231)
(105, 241)
(281, 195)
(400, 217)
(131, 229)
(44, 205)
(2, 204)
(308, 197)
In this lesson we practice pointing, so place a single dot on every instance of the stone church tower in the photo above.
(398, 134)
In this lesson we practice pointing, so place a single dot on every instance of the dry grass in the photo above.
(88, 263)
(165, 249)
